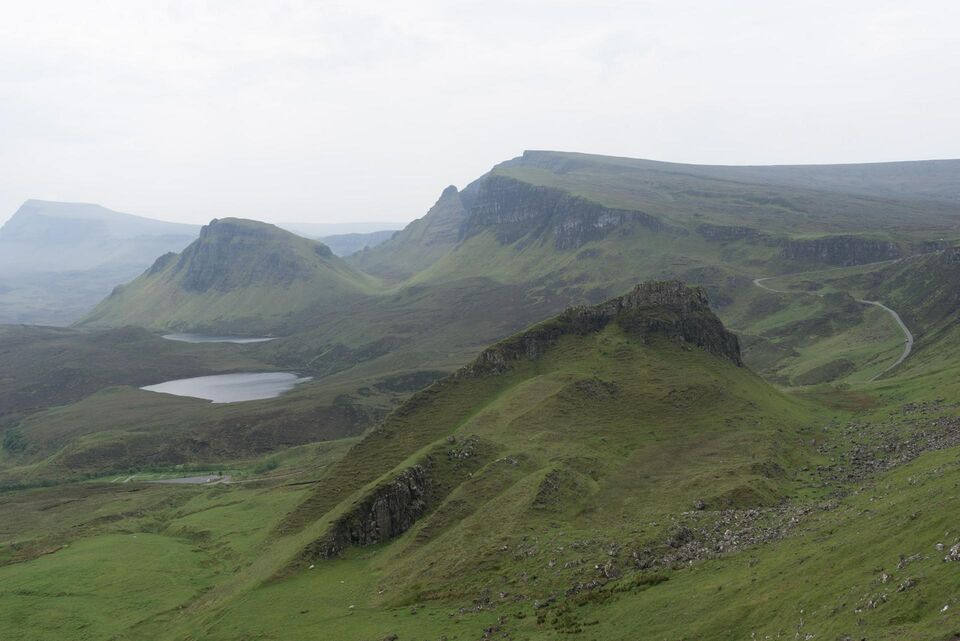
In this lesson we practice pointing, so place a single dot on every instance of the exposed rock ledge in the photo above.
(514, 208)
(666, 308)
(842, 251)
(394, 506)
(387, 512)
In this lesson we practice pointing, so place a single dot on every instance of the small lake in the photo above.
(231, 388)
(201, 338)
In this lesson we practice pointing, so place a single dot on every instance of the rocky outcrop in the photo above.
(728, 233)
(929, 246)
(663, 308)
(387, 512)
(840, 250)
(515, 209)
(224, 256)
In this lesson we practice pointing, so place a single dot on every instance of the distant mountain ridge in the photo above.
(57, 260)
(321, 230)
(56, 237)
(348, 244)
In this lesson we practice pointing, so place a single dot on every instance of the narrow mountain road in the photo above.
(907, 334)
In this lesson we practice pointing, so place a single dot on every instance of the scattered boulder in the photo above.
(953, 554)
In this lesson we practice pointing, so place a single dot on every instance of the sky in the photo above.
(330, 111)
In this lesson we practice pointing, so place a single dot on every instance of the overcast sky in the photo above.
(365, 109)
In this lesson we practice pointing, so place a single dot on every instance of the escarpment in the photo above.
(842, 251)
(515, 209)
(665, 308)
(727, 233)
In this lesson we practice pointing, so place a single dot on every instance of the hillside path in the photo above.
(907, 334)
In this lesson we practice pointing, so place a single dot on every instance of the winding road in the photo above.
(907, 334)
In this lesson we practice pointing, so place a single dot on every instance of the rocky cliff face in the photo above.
(393, 507)
(840, 250)
(443, 222)
(514, 209)
(389, 511)
(726, 233)
(664, 308)
(230, 254)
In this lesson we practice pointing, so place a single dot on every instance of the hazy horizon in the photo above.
(335, 112)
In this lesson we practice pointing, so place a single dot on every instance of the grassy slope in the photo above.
(211, 537)
(810, 320)
(124, 429)
(419, 244)
(157, 548)
(801, 338)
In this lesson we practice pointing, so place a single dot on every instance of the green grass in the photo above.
(58, 596)
(815, 581)
(109, 560)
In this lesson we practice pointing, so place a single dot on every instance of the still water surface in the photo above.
(231, 388)
(202, 338)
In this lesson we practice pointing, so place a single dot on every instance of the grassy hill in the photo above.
(587, 433)
(588, 478)
(241, 277)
